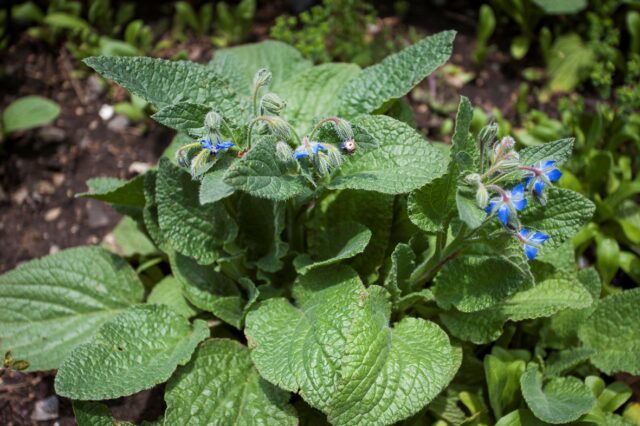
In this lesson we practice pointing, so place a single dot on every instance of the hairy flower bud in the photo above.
(262, 78)
(212, 121)
(349, 146)
(343, 128)
(278, 127)
(272, 104)
(334, 157)
(482, 196)
(487, 135)
(284, 152)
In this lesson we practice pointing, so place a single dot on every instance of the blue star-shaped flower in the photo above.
(542, 173)
(308, 148)
(508, 202)
(220, 145)
(531, 241)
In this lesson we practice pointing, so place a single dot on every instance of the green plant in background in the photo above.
(186, 17)
(233, 24)
(378, 276)
(337, 30)
(26, 113)
(484, 31)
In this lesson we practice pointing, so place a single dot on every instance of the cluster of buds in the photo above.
(504, 162)
(201, 155)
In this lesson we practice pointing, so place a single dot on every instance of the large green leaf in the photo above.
(187, 117)
(138, 349)
(192, 229)
(117, 191)
(395, 76)
(163, 83)
(221, 386)
(402, 162)
(53, 304)
(559, 151)
(239, 64)
(543, 300)
(337, 350)
(169, 292)
(209, 290)
(570, 61)
(29, 112)
(503, 382)
(313, 93)
(560, 400)
(263, 175)
(565, 213)
(483, 275)
(612, 331)
(561, 7)
(341, 241)
(430, 207)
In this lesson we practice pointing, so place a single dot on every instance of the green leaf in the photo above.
(213, 188)
(209, 290)
(128, 193)
(169, 292)
(314, 92)
(559, 151)
(484, 275)
(402, 162)
(566, 7)
(239, 64)
(338, 351)
(261, 174)
(468, 210)
(67, 22)
(53, 304)
(570, 61)
(430, 207)
(29, 112)
(563, 361)
(187, 117)
(131, 240)
(138, 349)
(543, 300)
(464, 149)
(261, 224)
(402, 265)
(612, 331)
(561, 400)
(395, 76)
(190, 228)
(163, 83)
(503, 383)
(221, 386)
(89, 413)
(342, 241)
(564, 215)
(520, 417)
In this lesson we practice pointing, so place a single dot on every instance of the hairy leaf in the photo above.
(53, 304)
(402, 162)
(117, 191)
(221, 386)
(395, 76)
(337, 349)
(169, 292)
(138, 349)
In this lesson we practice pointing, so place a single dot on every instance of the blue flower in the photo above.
(307, 148)
(220, 145)
(542, 173)
(531, 242)
(508, 202)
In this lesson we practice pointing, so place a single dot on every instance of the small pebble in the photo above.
(46, 409)
(119, 123)
(52, 214)
(58, 179)
(20, 195)
(106, 112)
(139, 167)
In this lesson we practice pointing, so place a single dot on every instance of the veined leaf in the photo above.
(261, 174)
(560, 400)
(612, 331)
(402, 162)
(190, 228)
(559, 151)
(337, 350)
(163, 83)
(53, 304)
(117, 191)
(169, 292)
(186, 117)
(221, 386)
(395, 76)
(136, 350)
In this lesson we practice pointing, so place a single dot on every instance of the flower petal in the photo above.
(538, 238)
(538, 186)
(530, 251)
(517, 191)
(524, 232)
(549, 163)
(554, 175)
(519, 204)
(490, 207)
(503, 213)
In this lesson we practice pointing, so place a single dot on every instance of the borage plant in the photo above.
(315, 257)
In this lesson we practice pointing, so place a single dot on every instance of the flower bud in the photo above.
(278, 127)
(349, 146)
(334, 157)
(284, 152)
(487, 135)
(262, 78)
(473, 179)
(343, 128)
(212, 121)
(272, 104)
(482, 196)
